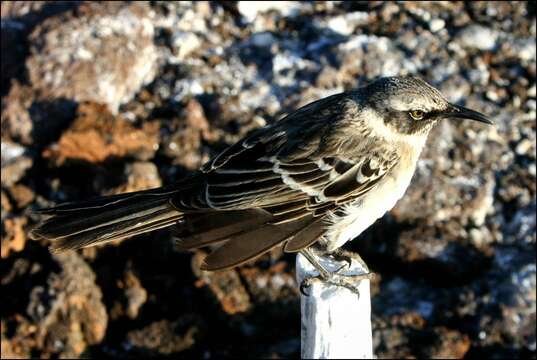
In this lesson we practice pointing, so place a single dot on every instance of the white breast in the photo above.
(364, 211)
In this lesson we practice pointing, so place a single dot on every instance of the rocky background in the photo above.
(103, 98)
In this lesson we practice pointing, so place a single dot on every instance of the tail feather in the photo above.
(74, 226)
(108, 201)
(106, 235)
(247, 233)
(78, 221)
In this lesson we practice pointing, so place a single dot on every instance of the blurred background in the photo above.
(104, 98)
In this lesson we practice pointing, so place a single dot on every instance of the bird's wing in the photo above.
(291, 210)
(289, 167)
(277, 185)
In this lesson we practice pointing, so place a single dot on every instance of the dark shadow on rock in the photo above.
(457, 263)
(13, 54)
(50, 118)
(178, 308)
(500, 352)
(80, 180)
(21, 273)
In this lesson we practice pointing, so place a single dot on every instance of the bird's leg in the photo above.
(331, 277)
(308, 254)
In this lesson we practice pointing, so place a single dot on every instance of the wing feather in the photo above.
(294, 171)
(252, 244)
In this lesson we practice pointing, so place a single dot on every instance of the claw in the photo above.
(303, 286)
(342, 267)
(346, 259)
(341, 258)
(306, 283)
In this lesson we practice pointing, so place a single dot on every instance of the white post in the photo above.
(336, 323)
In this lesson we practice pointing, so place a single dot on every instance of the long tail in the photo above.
(78, 225)
(246, 234)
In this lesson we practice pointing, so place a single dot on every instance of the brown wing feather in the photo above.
(203, 230)
(252, 244)
(306, 237)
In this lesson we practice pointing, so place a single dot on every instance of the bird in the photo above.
(317, 177)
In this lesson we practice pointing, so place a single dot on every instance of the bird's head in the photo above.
(409, 105)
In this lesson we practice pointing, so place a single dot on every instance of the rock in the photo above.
(272, 285)
(19, 9)
(346, 24)
(165, 337)
(31, 120)
(262, 39)
(14, 163)
(521, 227)
(184, 43)
(141, 175)
(132, 294)
(250, 9)
(226, 286)
(449, 344)
(96, 135)
(401, 321)
(136, 295)
(363, 51)
(185, 136)
(13, 349)
(517, 298)
(10, 152)
(67, 310)
(18, 20)
(436, 25)
(525, 50)
(478, 37)
(194, 18)
(103, 53)
(525, 147)
(22, 195)
(13, 235)
(6, 205)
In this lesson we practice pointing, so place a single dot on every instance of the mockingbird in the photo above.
(322, 174)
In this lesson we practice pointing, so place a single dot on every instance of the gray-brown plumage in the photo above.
(326, 171)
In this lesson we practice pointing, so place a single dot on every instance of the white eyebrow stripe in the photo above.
(416, 103)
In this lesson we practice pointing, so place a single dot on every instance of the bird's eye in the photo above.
(416, 114)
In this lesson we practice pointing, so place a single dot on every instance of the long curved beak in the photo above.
(460, 112)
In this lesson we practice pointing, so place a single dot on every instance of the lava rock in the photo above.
(102, 53)
(96, 135)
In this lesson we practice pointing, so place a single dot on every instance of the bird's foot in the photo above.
(348, 257)
(350, 282)
(335, 278)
